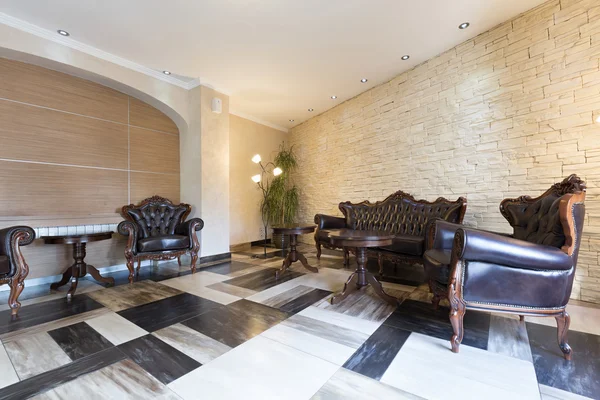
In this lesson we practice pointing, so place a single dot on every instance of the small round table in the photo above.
(79, 268)
(361, 240)
(294, 255)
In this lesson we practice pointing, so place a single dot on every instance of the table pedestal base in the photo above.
(78, 270)
(362, 278)
(293, 256)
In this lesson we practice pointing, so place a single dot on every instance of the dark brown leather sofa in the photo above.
(530, 272)
(157, 230)
(400, 214)
(13, 268)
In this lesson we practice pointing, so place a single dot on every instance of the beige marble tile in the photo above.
(345, 321)
(192, 343)
(346, 384)
(198, 283)
(122, 380)
(48, 326)
(115, 328)
(8, 375)
(35, 354)
(473, 373)
(233, 290)
(260, 369)
(127, 296)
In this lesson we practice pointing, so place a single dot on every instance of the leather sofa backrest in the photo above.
(401, 214)
(538, 220)
(156, 216)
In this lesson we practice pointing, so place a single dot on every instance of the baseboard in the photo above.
(215, 257)
(260, 242)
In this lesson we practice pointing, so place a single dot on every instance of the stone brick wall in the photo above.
(506, 113)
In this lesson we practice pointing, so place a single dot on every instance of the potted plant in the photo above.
(282, 198)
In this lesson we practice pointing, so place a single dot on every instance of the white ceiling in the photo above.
(275, 58)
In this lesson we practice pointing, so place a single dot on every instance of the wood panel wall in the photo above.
(73, 152)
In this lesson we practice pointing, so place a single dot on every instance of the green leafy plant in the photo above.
(282, 200)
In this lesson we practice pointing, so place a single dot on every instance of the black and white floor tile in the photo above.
(234, 331)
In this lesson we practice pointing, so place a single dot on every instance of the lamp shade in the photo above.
(277, 171)
(256, 159)
(256, 178)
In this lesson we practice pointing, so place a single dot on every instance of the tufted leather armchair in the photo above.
(400, 214)
(530, 272)
(13, 268)
(157, 230)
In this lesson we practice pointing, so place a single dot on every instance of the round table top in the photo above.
(293, 228)
(358, 238)
(81, 238)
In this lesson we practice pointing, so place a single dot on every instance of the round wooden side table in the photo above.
(361, 241)
(294, 255)
(79, 269)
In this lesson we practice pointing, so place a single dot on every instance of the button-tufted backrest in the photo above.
(156, 216)
(538, 220)
(401, 214)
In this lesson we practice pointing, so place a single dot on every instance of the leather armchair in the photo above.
(530, 272)
(157, 230)
(13, 268)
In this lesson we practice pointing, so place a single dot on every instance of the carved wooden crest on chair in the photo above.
(530, 272)
(157, 230)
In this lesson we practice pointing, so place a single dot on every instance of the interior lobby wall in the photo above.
(248, 138)
(73, 152)
(504, 114)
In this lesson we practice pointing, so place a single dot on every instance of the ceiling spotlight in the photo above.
(364, 80)
(310, 110)
(291, 120)
(405, 57)
(167, 72)
(333, 97)
(63, 33)
(464, 25)
(598, 119)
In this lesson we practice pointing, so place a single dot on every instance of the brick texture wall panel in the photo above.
(506, 113)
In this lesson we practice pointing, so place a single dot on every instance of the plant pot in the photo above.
(280, 241)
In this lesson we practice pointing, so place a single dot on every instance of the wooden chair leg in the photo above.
(457, 313)
(137, 270)
(521, 318)
(318, 245)
(179, 260)
(131, 270)
(194, 260)
(562, 323)
(380, 263)
(346, 257)
(16, 287)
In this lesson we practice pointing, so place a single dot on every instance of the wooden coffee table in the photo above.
(361, 241)
(79, 269)
(294, 255)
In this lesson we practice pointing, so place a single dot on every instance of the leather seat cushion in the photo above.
(406, 244)
(4, 265)
(163, 242)
(436, 263)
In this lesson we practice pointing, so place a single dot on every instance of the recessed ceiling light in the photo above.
(291, 120)
(333, 97)
(598, 119)
(63, 33)
(405, 57)
(310, 110)
(167, 72)
(464, 25)
(364, 80)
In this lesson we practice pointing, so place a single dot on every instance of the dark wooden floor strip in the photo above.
(79, 340)
(261, 280)
(51, 379)
(160, 360)
(305, 300)
(39, 313)
(162, 313)
(375, 355)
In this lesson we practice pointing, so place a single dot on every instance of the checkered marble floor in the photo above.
(233, 331)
